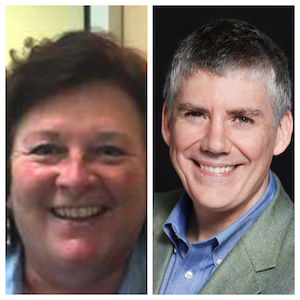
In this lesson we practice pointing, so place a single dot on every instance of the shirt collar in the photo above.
(177, 222)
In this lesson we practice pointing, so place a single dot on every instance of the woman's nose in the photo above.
(76, 173)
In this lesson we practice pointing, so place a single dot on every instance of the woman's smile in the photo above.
(78, 213)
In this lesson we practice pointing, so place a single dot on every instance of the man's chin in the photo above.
(212, 199)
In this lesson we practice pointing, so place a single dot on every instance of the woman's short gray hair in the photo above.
(226, 47)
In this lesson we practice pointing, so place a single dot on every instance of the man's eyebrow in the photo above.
(183, 107)
(247, 112)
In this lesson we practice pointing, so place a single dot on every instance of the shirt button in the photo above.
(188, 275)
(219, 261)
(175, 250)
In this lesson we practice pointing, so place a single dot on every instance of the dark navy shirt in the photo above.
(191, 265)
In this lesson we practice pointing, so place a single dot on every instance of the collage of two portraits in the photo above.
(150, 149)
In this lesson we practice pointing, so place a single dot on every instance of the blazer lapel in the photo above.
(236, 275)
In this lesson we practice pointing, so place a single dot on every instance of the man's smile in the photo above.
(217, 170)
(220, 169)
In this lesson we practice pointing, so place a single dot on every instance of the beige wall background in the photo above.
(40, 21)
(135, 27)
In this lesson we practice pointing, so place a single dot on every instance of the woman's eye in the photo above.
(109, 151)
(46, 150)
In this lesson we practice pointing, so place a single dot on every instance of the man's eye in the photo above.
(46, 150)
(244, 120)
(194, 114)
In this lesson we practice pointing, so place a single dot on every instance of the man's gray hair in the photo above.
(232, 47)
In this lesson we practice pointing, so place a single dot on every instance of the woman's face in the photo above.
(78, 168)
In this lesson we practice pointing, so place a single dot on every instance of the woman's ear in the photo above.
(9, 202)
(165, 125)
(284, 133)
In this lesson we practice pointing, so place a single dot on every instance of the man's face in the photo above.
(78, 189)
(221, 140)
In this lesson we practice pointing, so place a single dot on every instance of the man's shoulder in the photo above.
(281, 205)
(166, 201)
(165, 198)
(275, 225)
(270, 244)
(280, 192)
(163, 204)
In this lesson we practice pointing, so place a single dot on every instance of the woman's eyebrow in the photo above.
(104, 136)
(48, 134)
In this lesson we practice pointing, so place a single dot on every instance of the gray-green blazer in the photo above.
(262, 262)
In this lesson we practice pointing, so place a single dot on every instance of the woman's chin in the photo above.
(78, 250)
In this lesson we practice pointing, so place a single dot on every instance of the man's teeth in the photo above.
(81, 212)
(217, 170)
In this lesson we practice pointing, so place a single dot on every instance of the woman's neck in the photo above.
(80, 281)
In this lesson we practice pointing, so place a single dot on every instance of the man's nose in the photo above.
(216, 138)
(76, 174)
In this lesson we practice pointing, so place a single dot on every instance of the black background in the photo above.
(173, 24)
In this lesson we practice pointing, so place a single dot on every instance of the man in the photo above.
(227, 112)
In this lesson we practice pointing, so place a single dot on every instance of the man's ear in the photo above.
(284, 133)
(165, 125)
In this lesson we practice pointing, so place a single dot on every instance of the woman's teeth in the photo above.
(217, 170)
(77, 213)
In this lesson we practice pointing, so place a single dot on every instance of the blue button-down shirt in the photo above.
(135, 281)
(191, 265)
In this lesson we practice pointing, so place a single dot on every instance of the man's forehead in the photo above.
(235, 88)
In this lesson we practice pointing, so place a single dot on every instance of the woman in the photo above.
(76, 169)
